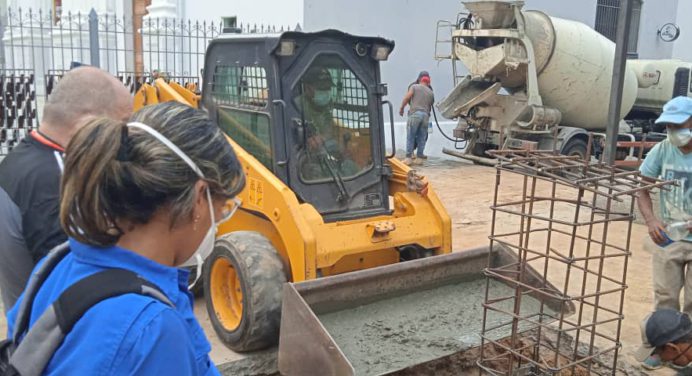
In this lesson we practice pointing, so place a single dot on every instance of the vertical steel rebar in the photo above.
(599, 278)
(565, 290)
(487, 279)
(624, 281)
(522, 260)
(548, 244)
(586, 275)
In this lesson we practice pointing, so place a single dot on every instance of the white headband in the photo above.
(169, 144)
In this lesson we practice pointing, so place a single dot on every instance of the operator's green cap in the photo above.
(318, 77)
(677, 111)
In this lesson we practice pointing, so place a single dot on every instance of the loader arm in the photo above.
(161, 91)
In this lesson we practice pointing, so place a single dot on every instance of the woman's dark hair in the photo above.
(116, 174)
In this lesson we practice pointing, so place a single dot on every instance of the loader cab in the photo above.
(307, 106)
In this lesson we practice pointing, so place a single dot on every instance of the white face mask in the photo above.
(680, 137)
(207, 245)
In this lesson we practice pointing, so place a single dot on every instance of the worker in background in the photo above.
(667, 337)
(671, 159)
(147, 197)
(420, 99)
(30, 174)
(322, 130)
(417, 81)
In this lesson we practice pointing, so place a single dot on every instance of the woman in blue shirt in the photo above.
(145, 196)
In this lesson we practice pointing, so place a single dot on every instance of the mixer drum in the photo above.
(574, 65)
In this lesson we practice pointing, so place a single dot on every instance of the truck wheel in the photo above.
(243, 279)
(575, 146)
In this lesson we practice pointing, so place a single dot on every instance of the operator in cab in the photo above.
(326, 150)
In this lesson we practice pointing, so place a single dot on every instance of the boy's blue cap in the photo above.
(677, 111)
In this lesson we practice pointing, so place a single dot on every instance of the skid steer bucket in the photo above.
(388, 319)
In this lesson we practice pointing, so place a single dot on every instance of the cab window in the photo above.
(241, 94)
(240, 86)
(251, 130)
(334, 108)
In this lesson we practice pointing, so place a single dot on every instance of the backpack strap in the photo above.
(47, 334)
(37, 278)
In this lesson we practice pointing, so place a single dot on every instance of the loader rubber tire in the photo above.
(243, 281)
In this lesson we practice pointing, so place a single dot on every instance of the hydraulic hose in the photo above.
(455, 140)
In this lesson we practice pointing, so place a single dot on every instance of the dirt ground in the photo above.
(467, 192)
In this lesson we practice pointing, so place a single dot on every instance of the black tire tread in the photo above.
(262, 277)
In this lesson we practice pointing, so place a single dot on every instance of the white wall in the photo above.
(656, 13)
(272, 12)
(683, 46)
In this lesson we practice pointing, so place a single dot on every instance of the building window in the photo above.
(607, 21)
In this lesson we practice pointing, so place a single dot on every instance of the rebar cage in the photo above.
(572, 221)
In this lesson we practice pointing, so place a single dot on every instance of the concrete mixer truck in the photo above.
(541, 82)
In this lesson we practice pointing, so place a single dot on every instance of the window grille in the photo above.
(244, 86)
(607, 19)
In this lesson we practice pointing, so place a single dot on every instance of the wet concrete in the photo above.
(257, 363)
(395, 333)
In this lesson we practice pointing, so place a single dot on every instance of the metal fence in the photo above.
(38, 47)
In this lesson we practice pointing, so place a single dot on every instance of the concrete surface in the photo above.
(228, 361)
(402, 331)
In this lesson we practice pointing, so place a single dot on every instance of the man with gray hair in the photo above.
(30, 174)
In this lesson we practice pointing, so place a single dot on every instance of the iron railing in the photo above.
(38, 47)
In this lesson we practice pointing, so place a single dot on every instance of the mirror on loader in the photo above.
(308, 106)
